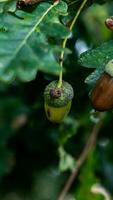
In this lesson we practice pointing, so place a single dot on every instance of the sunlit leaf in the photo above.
(67, 162)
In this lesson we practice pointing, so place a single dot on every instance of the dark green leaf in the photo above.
(98, 57)
(24, 45)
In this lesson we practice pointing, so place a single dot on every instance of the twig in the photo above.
(73, 2)
(66, 38)
(89, 146)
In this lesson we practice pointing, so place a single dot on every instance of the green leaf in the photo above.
(97, 58)
(67, 162)
(61, 8)
(24, 45)
(7, 5)
(49, 29)
(94, 76)
(87, 178)
(67, 129)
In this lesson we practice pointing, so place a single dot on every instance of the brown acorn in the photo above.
(102, 93)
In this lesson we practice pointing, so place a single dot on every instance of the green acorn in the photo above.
(58, 101)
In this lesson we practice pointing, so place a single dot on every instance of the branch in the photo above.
(89, 146)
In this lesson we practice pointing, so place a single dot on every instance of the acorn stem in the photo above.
(65, 41)
(60, 79)
(61, 62)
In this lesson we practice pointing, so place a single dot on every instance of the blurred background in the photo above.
(36, 156)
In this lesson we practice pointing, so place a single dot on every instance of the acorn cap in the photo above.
(109, 68)
(58, 97)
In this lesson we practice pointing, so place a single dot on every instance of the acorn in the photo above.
(102, 93)
(58, 101)
(109, 23)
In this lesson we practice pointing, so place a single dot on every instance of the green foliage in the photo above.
(13, 115)
(94, 21)
(67, 162)
(87, 179)
(67, 130)
(24, 45)
(37, 156)
(97, 58)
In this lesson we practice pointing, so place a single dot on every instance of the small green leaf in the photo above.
(94, 76)
(67, 162)
(67, 129)
(62, 8)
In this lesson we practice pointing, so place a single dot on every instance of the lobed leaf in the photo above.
(98, 57)
(24, 46)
